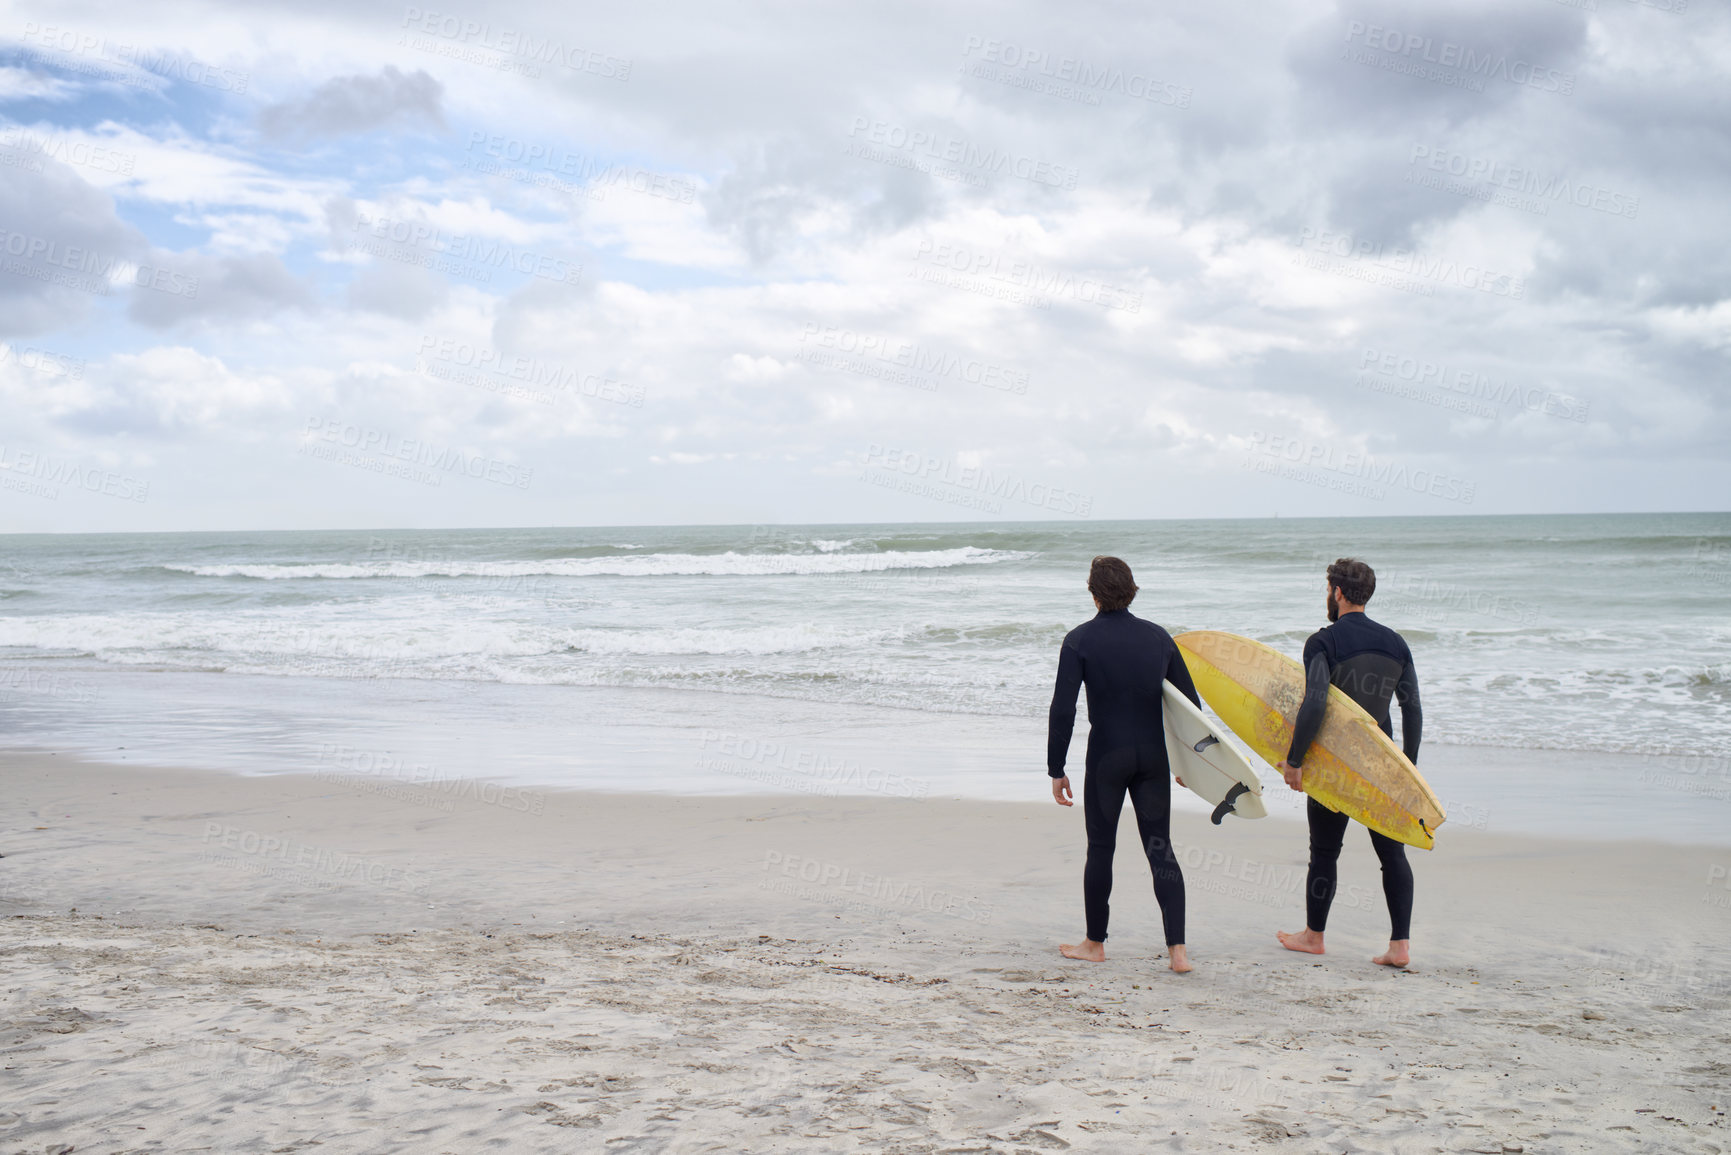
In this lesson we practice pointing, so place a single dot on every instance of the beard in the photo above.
(1333, 607)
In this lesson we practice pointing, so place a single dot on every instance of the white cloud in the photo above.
(26, 84)
(752, 220)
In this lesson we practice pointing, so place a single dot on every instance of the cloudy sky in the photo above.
(360, 265)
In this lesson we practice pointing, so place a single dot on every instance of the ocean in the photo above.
(1602, 635)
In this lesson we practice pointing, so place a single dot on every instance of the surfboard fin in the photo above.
(1211, 740)
(1226, 804)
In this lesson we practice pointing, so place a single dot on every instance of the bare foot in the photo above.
(1180, 959)
(1307, 941)
(1087, 950)
(1396, 956)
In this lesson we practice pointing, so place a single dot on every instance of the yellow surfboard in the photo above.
(1352, 767)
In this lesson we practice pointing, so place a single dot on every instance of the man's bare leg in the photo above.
(1397, 954)
(1087, 950)
(1306, 941)
(1180, 958)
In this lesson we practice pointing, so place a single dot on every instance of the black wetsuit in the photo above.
(1373, 666)
(1122, 659)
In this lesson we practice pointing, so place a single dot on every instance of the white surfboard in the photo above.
(1211, 767)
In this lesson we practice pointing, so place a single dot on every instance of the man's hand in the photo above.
(1061, 791)
(1294, 775)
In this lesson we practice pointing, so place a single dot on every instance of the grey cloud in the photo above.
(354, 104)
(185, 288)
(761, 201)
(341, 216)
(397, 290)
(1350, 76)
(60, 240)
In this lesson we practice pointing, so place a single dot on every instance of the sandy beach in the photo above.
(548, 551)
(199, 961)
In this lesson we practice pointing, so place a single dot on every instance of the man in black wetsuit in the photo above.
(1122, 659)
(1373, 666)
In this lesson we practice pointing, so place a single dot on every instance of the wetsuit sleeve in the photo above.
(1411, 717)
(1061, 719)
(1179, 675)
(1309, 720)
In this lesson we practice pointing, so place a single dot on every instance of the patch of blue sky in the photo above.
(375, 157)
(94, 89)
(102, 332)
(78, 104)
(164, 226)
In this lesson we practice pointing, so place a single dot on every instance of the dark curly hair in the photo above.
(1109, 580)
(1355, 580)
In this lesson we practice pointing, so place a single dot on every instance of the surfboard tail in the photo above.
(1229, 803)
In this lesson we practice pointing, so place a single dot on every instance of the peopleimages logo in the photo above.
(1521, 179)
(47, 472)
(44, 361)
(742, 750)
(540, 160)
(486, 253)
(1471, 386)
(76, 267)
(980, 270)
(72, 43)
(272, 854)
(920, 145)
(1360, 257)
(1361, 466)
(527, 47)
(1476, 64)
(392, 449)
(878, 890)
(537, 375)
(925, 471)
(1015, 62)
(382, 764)
(846, 349)
(68, 151)
(1718, 874)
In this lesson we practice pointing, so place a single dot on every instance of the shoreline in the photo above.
(425, 737)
